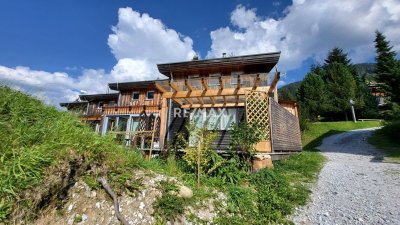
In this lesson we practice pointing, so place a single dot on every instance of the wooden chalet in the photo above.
(215, 93)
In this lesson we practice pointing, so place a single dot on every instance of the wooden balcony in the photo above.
(119, 110)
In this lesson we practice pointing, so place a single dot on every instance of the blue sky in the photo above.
(57, 49)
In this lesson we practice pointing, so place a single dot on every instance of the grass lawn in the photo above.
(313, 137)
(388, 140)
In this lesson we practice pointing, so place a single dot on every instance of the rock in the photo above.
(70, 207)
(184, 192)
(141, 205)
(84, 217)
(261, 161)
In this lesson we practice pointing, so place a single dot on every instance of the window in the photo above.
(100, 105)
(135, 96)
(150, 95)
(213, 80)
(214, 118)
(234, 78)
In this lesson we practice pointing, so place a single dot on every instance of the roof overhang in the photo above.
(258, 63)
(100, 97)
(132, 85)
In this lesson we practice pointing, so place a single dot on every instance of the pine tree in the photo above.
(340, 87)
(311, 95)
(387, 68)
(337, 55)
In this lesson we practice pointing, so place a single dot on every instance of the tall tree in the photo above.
(341, 87)
(387, 68)
(337, 55)
(311, 95)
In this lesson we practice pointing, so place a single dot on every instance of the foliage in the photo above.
(342, 81)
(387, 139)
(288, 92)
(312, 96)
(168, 206)
(198, 149)
(387, 68)
(341, 87)
(229, 170)
(245, 136)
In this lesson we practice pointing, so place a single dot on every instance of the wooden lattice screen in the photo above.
(257, 111)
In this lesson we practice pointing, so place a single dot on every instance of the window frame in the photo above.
(147, 95)
(133, 93)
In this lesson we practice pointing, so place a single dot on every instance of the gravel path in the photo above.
(355, 186)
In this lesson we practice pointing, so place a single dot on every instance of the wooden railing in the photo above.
(112, 110)
(93, 112)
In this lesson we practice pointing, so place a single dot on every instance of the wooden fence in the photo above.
(285, 132)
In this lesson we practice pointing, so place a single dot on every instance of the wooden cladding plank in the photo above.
(285, 130)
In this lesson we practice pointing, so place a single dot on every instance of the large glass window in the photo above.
(214, 118)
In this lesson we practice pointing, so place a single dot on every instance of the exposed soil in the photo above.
(355, 186)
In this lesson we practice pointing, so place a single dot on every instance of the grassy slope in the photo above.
(388, 140)
(36, 140)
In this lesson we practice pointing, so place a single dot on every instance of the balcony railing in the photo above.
(112, 110)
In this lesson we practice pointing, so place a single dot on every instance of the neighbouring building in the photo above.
(215, 93)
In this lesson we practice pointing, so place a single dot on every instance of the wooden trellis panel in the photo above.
(257, 110)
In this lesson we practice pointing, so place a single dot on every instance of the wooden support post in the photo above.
(257, 82)
(152, 138)
(273, 87)
(163, 122)
(238, 82)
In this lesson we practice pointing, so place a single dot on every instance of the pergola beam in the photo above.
(188, 86)
(217, 105)
(160, 87)
(211, 92)
(212, 100)
(274, 82)
(173, 86)
(177, 101)
(205, 85)
(221, 83)
(257, 82)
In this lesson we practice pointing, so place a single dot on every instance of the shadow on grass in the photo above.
(312, 145)
(352, 143)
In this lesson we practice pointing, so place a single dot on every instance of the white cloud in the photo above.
(310, 28)
(138, 42)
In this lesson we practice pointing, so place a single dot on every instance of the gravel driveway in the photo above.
(355, 186)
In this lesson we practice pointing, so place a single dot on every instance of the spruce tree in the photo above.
(387, 68)
(311, 95)
(341, 87)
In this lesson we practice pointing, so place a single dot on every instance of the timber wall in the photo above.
(285, 131)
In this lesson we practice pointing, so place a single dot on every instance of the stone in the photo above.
(141, 205)
(261, 161)
(184, 192)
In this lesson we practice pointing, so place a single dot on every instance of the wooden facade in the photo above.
(228, 85)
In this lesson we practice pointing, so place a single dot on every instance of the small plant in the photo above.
(198, 149)
(168, 206)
